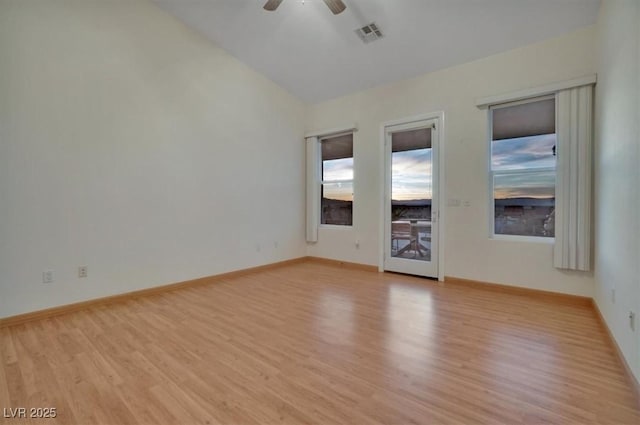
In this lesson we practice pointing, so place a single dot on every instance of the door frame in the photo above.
(438, 116)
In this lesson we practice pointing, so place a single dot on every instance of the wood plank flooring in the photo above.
(313, 343)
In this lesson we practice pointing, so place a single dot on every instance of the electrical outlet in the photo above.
(47, 276)
(83, 271)
(258, 248)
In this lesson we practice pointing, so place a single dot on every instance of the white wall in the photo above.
(130, 144)
(617, 176)
(469, 251)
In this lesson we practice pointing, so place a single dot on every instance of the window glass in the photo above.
(337, 203)
(337, 169)
(336, 192)
(523, 168)
(524, 153)
(524, 204)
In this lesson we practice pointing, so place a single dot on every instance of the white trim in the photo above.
(523, 101)
(485, 102)
(520, 238)
(491, 203)
(412, 119)
(441, 196)
(336, 181)
(336, 226)
(439, 117)
(382, 184)
(512, 171)
(332, 132)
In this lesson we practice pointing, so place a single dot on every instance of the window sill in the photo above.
(335, 227)
(514, 238)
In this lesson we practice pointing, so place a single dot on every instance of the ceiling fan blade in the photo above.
(336, 6)
(272, 5)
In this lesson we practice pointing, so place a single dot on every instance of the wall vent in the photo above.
(369, 33)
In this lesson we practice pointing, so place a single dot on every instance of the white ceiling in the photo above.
(317, 56)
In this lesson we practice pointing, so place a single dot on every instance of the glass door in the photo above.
(411, 231)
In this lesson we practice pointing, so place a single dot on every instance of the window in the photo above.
(523, 167)
(336, 186)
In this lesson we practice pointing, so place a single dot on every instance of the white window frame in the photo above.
(493, 174)
(321, 182)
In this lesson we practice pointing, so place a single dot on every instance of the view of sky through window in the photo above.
(336, 170)
(411, 171)
(411, 175)
(524, 153)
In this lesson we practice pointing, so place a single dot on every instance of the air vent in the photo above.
(369, 33)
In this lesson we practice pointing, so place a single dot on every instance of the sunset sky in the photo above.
(411, 175)
(524, 153)
(411, 171)
(338, 169)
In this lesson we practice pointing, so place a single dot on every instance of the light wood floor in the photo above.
(313, 343)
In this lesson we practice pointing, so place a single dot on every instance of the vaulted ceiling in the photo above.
(317, 56)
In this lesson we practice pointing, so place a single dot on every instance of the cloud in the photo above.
(523, 153)
(411, 175)
(338, 169)
(412, 171)
(338, 191)
(529, 185)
